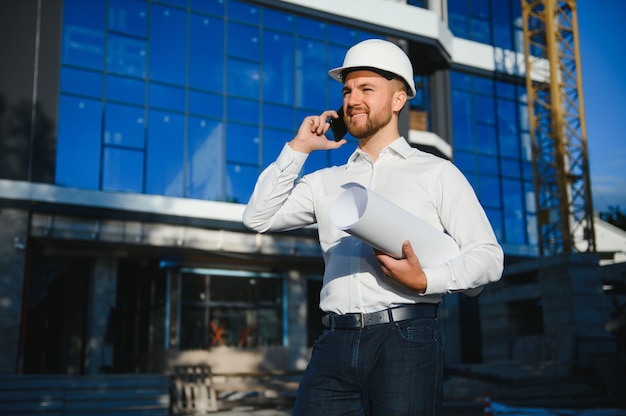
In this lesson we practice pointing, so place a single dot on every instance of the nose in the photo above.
(353, 99)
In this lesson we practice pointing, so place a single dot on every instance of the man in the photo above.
(382, 352)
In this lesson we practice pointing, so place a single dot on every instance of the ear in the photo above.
(399, 99)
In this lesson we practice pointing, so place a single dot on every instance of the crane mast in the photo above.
(557, 127)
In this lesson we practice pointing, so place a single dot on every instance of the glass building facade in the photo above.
(163, 101)
(193, 99)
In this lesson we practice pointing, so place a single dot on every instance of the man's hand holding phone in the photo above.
(311, 134)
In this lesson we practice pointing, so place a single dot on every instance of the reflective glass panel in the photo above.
(513, 212)
(128, 16)
(166, 97)
(244, 41)
(81, 82)
(240, 181)
(206, 104)
(282, 117)
(273, 142)
(311, 74)
(246, 111)
(278, 20)
(124, 125)
(209, 6)
(489, 193)
(78, 143)
(310, 28)
(242, 143)
(243, 78)
(126, 89)
(205, 162)
(126, 56)
(122, 170)
(462, 120)
(278, 67)
(486, 139)
(206, 53)
(243, 12)
(165, 154)
(168, 45)
(83, 33)
(507, 128)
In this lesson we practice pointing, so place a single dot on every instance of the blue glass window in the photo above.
(502, 33)
(278, 20)
(125, 90)
(206, 104)
(83, 33)
(206, 53)
(165, 154)
(122, 170)
(240, 180)
(511, 168)
(126, 56)
(507, 128)
(168, 86)
(78, 143)
(465, 161)
(166, 97)
(168, 45)
(215, 7)
(310, 28)
(244, 12)
(311, 73)
(462, 120)
(489, 194)
(128, 16)
(495, 219)
(487, 142)
(513, 212)
(344, 36)
(81, 82)
(205, 159)
(243, 78)
(488, 165)
(242, 143)
(124, 126)
(273, 142)
(278, 67)
(278, 116)
(244, 42)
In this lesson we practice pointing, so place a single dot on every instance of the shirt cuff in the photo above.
(437, 281)
(290, 161)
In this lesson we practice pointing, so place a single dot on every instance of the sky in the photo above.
(602, 36)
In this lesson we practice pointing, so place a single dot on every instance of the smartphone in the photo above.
(338, 126)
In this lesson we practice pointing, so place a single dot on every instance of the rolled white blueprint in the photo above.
(385, 226)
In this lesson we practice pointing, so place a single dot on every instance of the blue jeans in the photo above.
(390, 369)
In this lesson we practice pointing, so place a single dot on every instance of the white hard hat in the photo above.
(380, 56)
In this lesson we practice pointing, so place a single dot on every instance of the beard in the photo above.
(374, 123)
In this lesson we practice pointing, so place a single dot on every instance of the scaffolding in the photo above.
(557, 126)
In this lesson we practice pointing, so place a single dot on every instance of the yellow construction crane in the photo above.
(557, 127)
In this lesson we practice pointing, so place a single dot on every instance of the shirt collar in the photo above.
(399, 147)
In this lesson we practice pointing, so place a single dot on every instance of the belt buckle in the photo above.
(362, 320)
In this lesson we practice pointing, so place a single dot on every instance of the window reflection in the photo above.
(122, 170)
(166, 79)
(165, 154)
(78, 143)
(493, 162)
(205, 164)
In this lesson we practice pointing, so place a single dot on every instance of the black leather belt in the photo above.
(361, 320)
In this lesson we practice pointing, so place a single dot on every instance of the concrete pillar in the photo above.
(102, 296)
(13, 240)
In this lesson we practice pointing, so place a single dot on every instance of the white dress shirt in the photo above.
(430, 187)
